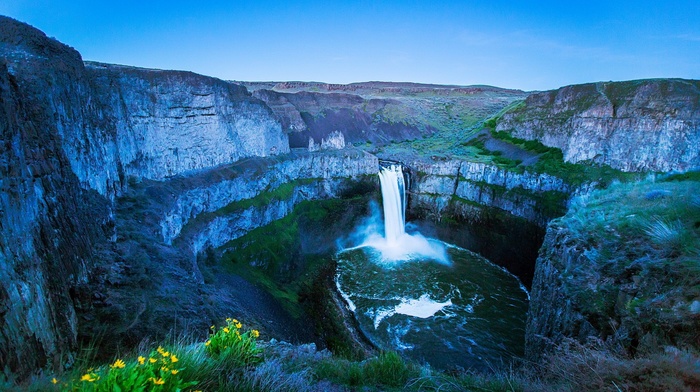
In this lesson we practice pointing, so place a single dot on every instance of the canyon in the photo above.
(124, 188)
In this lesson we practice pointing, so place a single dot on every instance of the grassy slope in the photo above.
(642, 242)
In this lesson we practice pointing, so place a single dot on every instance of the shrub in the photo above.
(238, 349)
(272, 376)
(159, 371)
(665, 233)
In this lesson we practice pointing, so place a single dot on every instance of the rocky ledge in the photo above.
(641, 125)
(469, 187)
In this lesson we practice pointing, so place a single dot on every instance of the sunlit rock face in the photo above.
(170, 122)
(644, 125)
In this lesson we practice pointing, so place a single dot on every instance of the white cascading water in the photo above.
(396, 245)
(394, 195)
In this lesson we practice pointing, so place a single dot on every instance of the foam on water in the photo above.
(422, 307)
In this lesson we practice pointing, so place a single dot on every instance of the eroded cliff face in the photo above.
(498, 213)
(643, 125)
(168, 231)
(621, 266)
(466, 187)
(50, 228)
(72, 136)
(307, 175)
(170, 122)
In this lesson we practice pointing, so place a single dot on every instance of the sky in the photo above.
(528, 45)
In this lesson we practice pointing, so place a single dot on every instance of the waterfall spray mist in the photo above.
(394, 244)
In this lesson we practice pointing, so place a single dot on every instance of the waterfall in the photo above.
(396, 245)
(394, 195)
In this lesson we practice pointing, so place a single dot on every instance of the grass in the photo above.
(187, 364)
(595, 367)
(640, 271)
(550, 160)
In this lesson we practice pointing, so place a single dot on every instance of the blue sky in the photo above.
(530, 45)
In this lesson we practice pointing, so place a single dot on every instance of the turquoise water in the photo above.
(468, 313)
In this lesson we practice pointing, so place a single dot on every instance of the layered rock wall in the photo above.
(232, 188)
(553, 315)
(170, 122)
(644, 125)
(50, 228)
(467, 187)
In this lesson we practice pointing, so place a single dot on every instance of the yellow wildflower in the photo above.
(88, 377)
(141, 360)
(174, 371)
(239, 325)
(54, 381)
(157, 381)
(235, 321)
(173, 358)
(212, 327)
(162, 351)
(228, 320)
(208, 342)
(226, 329)
(152, 360)
(118, 364)
(254, 333)
(165, 369)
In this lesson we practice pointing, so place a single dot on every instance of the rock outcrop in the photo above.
(309, 177)
(50, 227)
(468, 187)
(642, 125)
(170, 122)
(620, 267)
(167, 231)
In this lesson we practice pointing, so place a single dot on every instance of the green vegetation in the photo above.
(183, 365)
(282, 192)
(549, 160)
(228, 342)
(514, 106)
(596, 366)
(549, 203)
(264, 255)
(453, 121)
(641, 272)
(190, 365)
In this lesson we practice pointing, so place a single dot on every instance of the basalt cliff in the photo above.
(123, 188)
